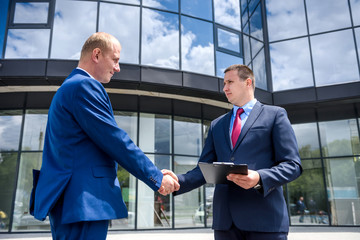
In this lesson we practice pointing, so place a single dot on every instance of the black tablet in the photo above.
(216, 172)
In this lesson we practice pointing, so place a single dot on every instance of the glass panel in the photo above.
(228, 40)
(189, 207)
(227, 12)
(252, 5)
(187, 136)
(355, 9)
(7, 185)
(160, 29)
(326, 15)
(27, 43)
(260, 71)
(34, 130)
(339, 138)
(22, 218)
(290, 64)
(128, 190)
(171, 5)
(31, 12)
(126, 1)
(245, 17)
(66, 44)
(197, 47)
(343, 190)
(247, 53)
(223, 61)
(256, 29)
(357, 36)
(10, 126)
(307, 139)
(312, 210)
(200, 9)
(154, 210)
(255, 46)
(124, 23)
(334, 58)
(285, 20)
(4, 5)
(127, 121)
(155, 133)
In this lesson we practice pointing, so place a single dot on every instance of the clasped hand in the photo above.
(169, 184)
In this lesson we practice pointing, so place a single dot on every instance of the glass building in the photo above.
(305, 56)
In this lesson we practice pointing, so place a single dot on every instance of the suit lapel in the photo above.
(254, 114)
(227, 120)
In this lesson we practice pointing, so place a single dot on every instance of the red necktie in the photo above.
(236, 127)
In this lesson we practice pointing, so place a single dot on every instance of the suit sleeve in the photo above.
(286, 154)
(92, 110)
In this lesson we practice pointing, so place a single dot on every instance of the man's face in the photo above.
(108, 63)
(235, 89)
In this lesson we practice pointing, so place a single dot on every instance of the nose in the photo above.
(117, 67)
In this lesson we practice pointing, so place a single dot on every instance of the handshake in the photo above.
(170, 183)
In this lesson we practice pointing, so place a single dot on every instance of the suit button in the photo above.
(232, 159)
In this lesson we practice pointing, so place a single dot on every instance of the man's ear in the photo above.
(248, 82)
(95, 54)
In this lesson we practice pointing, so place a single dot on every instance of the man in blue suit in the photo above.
(249, 207)
(77, 185)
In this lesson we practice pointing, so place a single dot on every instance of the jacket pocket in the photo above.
(104, 172)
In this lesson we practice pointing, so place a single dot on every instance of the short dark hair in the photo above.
(244, 72)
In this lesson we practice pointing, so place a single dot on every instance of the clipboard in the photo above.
(216, 172)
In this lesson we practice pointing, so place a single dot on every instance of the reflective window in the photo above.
(252, 5)
(196, 8)
(189, 207)
(22, 219)
(187, 136)
(8, 163)
(326, 15)
(307, 139)
(224, 60)
(4, 5)
(247, 49)
(197, 46)
(343, 191)
(160, 39)
(153, 209)
(291, 65)
(126, 1)
(155, 133)
(260, 71)
(10, 125)
(228, 40)
(355, 9)
(34, 130)
(171, 5)
(255, 46)
(66, 44)
(339, 138)
(31, 12)
(227, 12)
(285, 20)
(127, 121)
(334, 58)
(307, 198)
(256, 29)
(245, 17)
(27, 43)
(357, 36)
(123, 22)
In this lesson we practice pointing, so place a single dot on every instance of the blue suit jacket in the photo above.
(83, 145)
(267, 144)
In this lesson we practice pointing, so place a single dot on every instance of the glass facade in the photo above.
(297, 46)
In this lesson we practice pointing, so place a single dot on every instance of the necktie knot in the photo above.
(236, 127)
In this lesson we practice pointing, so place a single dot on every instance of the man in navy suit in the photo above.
(77, 185)
(249, 207)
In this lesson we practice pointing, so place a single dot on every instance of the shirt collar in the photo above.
(85, 72)
(247, 107)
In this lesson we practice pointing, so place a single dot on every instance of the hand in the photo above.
(169, 183)
(245, 181)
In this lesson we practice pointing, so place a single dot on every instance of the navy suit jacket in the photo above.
(83, 145)
(266, 144)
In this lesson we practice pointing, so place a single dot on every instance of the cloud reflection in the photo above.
(227, 12)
